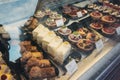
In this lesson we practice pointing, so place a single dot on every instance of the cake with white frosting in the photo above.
(62, 52)
(53, 45)
(47, 39)
(37, 30)
(42, 34)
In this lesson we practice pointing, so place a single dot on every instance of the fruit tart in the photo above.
(67, 10)
(55, 15)
(92, 5)
(96, 25)
(116, 25)
(39, 14)
(64, 30)
(74, 37)
(83, 32)
(96, 15)
(85, 45)
(108, 19)
(48, 12)
(50, 22)
(93, 37)
(108, 30)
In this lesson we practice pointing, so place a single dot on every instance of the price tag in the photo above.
(79, 14)
(118, 30)
(99, 45)
(71, 67)
(59, 22)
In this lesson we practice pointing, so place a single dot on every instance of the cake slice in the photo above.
(37, 30)
(53, 45)
(46, 40)
(62, 52)
(43, 32)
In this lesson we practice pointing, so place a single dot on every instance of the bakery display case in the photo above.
(76, 36)
(70, 40)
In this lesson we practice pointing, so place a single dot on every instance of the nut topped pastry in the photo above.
(37, 73)
(85, 44)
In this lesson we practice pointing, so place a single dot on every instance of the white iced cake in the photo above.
(62, 52)
(53, 45)
(37, 30)
(43, 32)
(47, 39)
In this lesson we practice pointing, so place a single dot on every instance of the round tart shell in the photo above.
(80, 41)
